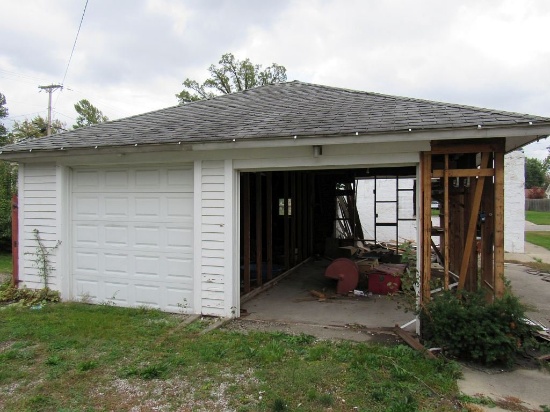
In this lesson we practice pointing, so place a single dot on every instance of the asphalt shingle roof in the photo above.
(280, 110)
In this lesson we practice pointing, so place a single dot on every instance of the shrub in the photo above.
(27, 297)
(468, 327)
(535, 193)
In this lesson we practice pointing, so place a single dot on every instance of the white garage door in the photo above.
(132, 236)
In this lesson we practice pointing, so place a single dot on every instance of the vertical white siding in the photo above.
(38, 210)
(514, 202)
(213, 237)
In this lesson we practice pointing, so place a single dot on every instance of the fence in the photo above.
(539, 205)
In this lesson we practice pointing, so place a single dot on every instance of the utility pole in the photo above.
(50, 89)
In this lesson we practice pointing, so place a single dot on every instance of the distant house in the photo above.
(192, 206)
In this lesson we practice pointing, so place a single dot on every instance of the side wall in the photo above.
(214, 203)
(514, 202)
(37, 212)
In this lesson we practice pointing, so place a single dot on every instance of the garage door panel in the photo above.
(179, 206)
(179, 270)
(86, 178)
(86, 289)
(116, 179)
(115, 206)
(117, 292)
(147, 178)
(86, 262)
(86, 207)
(133, 236)
(147, 294)
(86, 235)
(115, 235)
(115, 264)
(148, 266)
(178, 299)
(147, 207)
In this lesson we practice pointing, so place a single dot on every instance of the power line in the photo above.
(72, 51)
(74, 44)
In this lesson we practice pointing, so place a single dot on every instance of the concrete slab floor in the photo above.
(290, 301)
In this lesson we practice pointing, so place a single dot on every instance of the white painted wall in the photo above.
(37, 210)
(514, 202)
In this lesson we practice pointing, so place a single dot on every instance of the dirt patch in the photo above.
(357, 333)
(5, 277)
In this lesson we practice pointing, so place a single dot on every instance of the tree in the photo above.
(8, 183)
(88, 114)
(37, 127)
(3, 114)
(231, 76)
(535, 174)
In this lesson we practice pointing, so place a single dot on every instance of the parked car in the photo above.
(435, 204)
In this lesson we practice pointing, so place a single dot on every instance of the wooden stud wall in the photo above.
(471, 178)
(258, 198)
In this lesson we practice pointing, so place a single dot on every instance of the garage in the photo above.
(194, 207)
(132, 236)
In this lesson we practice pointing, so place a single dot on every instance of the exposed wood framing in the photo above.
(245, 184)
(269, 224)
(426, 191)
(259, 243)
(470, 187)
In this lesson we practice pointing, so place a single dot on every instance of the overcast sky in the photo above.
(132, 55)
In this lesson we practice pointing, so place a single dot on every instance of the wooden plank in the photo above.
(269, 224)
(426, 166)
(298, 216)
(304, 232)
(245, 181)
(487, 235)
(499, 224)
(467, 146)
(463, 172)
(259, 237)
(471, 233)
(412, 342)
(293, 219)
(446, 223)
(286, 220)
(311, 205)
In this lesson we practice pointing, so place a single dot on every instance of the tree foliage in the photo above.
(88, 114)
(535, 174)
(231, 75)
(8, 183)
(36, 127)
(3, 114)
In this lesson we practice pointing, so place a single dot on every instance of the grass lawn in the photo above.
(538, 218)
(5, 263)
(538, 238)
(77, 357)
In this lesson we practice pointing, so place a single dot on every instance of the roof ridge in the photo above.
(421, 100)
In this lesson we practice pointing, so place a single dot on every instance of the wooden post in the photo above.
(293, 219)
(15, 240)
(286, 221)
(472, 222)
(426, 265)
(259, 243)
(269, 224)
(445, 210)
(487, 236)
(245, 180)
(299, 215)
(499, 223)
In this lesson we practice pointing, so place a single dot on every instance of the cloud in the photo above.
(132, 56)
